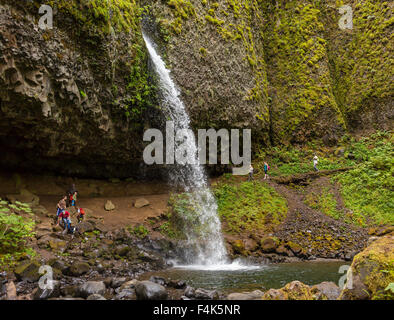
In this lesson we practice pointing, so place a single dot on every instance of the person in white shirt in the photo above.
(250, 173)
(315, 161)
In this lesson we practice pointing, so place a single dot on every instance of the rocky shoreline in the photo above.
(98, 265)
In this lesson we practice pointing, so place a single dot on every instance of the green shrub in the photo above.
(15, 230)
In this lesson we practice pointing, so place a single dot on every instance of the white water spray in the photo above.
(208, 246)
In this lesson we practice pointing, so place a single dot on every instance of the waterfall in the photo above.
(207, 245)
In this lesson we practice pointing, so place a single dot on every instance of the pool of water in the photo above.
(258, 277)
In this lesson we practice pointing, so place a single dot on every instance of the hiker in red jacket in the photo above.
(81, 214)
(65, 216)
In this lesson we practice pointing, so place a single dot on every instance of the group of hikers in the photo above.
(267, 167)
(63, 216)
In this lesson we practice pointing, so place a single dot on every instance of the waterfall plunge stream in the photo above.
(207, 249)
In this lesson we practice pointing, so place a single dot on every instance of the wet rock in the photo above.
(177, 284)
(95, 296)
(147, 290)
(326, 291)
(238, 246)
(117, 282)
(189, 292)
(158, 280)
(28, 271)
(79, 268)
(269, 244)
(274, 294)
(129, 285)
(126, 294)
(203, 294)
(294, 247)
(91, 287)
(254, 295)
(296, 290)
(109, 206)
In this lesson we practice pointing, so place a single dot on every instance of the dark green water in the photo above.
(266, 277)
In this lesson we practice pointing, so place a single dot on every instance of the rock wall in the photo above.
(76, 99)
(283, 68)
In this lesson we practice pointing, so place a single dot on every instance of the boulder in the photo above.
(296, 290)
(10, 290)
(269, 244)
(177, 284)
(57, 245)
(326, 291)
(254, 295)
(141, 202)
(117, 282)
(158, 280)
(147, 290)
(96, 296)
(294, 247)
(91, 287)
(85, 226)
(79, 268)
(203, 294)
(189, 292)
(129, 285)
(274, 294)
(28, 271)
(109, 206)
(238, 246)
(126, 294)
(371, 272)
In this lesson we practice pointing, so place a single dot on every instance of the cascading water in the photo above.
(207, 245)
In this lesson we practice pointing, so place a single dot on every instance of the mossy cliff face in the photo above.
(74, 99)
(361, 63)
(216, 54)
(82, 94)
(283, 68)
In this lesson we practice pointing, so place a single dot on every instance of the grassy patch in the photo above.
(249, 206)
(367, 190)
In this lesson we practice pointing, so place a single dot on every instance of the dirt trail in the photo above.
(313, 229)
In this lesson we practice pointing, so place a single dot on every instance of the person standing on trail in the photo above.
(315, 162)
(250, 173)
(73, 199)
(266, 168)
(61, 206)
(70, 192)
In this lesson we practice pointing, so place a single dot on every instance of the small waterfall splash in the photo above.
(208, 245)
